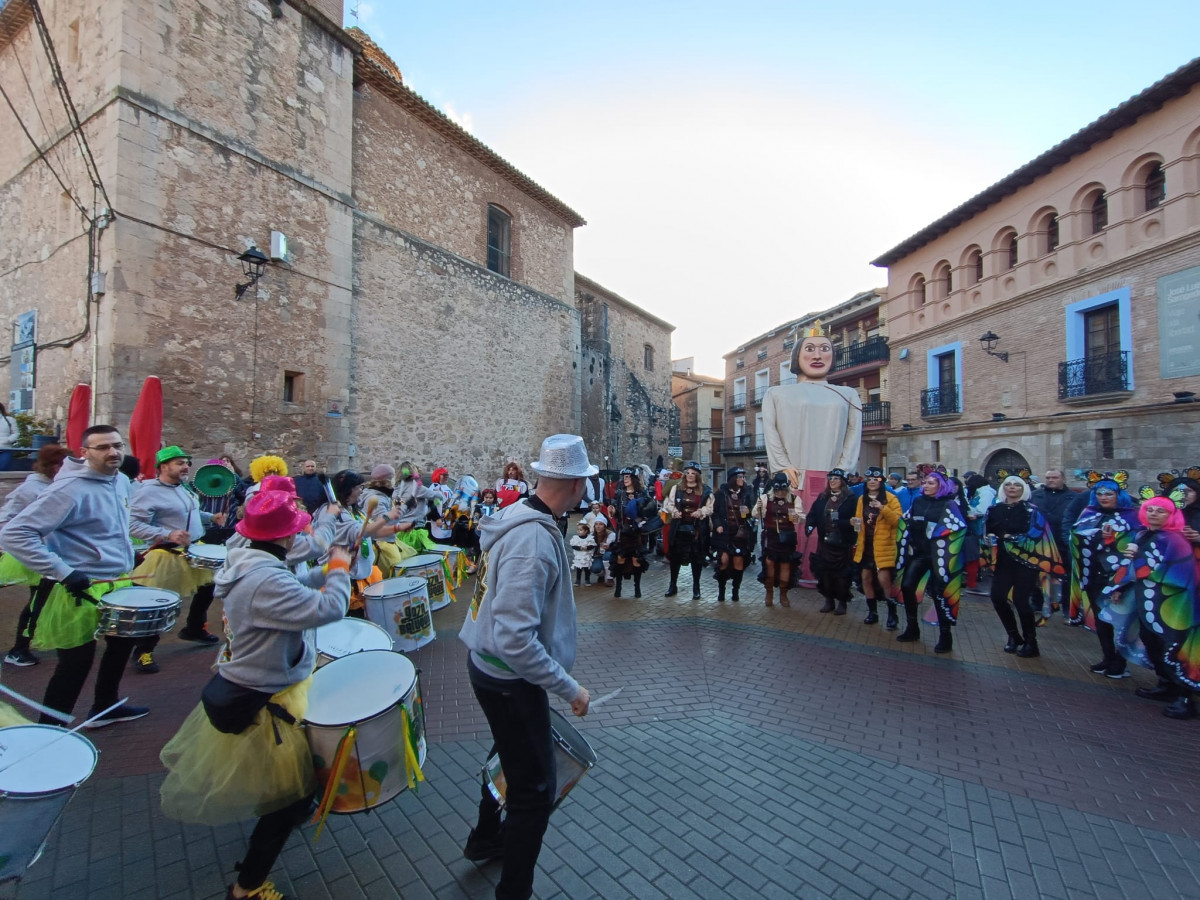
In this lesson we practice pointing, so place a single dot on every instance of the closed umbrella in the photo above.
(145, 425)
(78, 415)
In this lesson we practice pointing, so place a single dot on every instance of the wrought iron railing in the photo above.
(873, 349)
(759, 393)
(737, 401)
(941, 401)
(876, 414)
(1102, 373)
(745, 443)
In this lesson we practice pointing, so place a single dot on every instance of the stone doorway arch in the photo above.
(1007, 459)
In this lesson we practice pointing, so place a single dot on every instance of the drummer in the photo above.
(378, 491)
(240, 753)
(357, 529)
(167, 516)
(75, 533)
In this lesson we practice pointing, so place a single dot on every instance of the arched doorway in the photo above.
(1009, 460)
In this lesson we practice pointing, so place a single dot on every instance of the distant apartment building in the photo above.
(861, 354)
(1053, 320)
(700, 400)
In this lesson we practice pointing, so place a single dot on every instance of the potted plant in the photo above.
(33, 432)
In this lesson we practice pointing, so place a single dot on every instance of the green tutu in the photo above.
(13, 571)
(419, 540)
(67, 622)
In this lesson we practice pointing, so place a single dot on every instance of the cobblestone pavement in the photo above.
(753, 752)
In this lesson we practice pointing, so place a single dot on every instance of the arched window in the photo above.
(499, 240)
(1156, 186)
(1051, 229)
(1010, 250)
(977, 264)
(943, 280)
(917, 289)
(1099, 212)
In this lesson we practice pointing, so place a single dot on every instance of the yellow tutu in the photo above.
(216, 778)
(388, 555)
(13, 571)
(9, 716)
(66, 622)
(419, 540)
(171, 572)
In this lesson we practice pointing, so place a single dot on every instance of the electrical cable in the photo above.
(53, 146)
(41, 155)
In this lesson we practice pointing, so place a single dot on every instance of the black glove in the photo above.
(77, 584)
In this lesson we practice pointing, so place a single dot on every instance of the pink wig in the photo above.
(1174, 517)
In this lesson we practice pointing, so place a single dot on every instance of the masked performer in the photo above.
(1153, 607)
(878, 514)
(733, 535)
(1098, 538)
(780, 511)
(688, 505)
(930, 556)
(1024, 548)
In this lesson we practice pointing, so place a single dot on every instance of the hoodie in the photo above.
(159, 508)
(80, 522)
(523, 613)
(266, 613)
(24, 494)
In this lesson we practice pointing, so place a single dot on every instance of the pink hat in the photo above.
(279, 483)
(271, 515)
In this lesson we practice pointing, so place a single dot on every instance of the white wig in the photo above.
(1014, 479)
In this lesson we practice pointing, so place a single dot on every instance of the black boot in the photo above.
(828, 607)
(637, 584)
(1029, 627)
(893, 621)
(912, 628)
(737, 583)
(579, 576)
(840, 609)
(1029, 648)
(673, 588)
(1183, 708)
(872, 612)
(721, 580)
(1165, 692)
(945, 641)
(695, 582)
(617, 592)
(1014, 642)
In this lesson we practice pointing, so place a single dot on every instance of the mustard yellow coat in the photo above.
(885, 532)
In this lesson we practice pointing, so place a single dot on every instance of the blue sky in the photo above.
(741, 164)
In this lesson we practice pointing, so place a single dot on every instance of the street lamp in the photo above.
(989, 340)
(253, 263)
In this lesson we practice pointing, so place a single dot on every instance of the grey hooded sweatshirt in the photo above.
(26, 492)
(267, 611)
(523, 613)
(159, 508)
(80, 521)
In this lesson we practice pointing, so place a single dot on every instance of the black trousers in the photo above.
(27, 621)
(267, 840)
(518, 714)
(66, 683)
(197, 618)
(914, 571)
(1010, 575)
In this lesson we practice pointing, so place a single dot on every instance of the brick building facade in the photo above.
(1083, 269)
(860, 360)
(700, 400)
(427, 307)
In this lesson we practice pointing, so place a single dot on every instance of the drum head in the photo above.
(418, 562)
(349, 635)
(48, 767)
(571, 740)
(140, 598)
(208, 551)
(394, 587)
(358, 687)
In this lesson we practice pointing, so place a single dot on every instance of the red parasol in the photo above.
(78, 415)
(145, 425)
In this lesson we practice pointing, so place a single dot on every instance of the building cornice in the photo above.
(633, 307)
(1177, 84)
(834, 315)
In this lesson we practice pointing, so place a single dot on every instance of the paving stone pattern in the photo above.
(752, 752)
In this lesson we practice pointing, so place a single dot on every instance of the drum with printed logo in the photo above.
(429, 566)
(400, 606)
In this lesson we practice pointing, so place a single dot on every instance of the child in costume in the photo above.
(584, 546)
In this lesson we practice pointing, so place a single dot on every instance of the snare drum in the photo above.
(429, 567)
(373, 692)
(206, 556)
(349, 635)
(573, 756)
(452, 556)
(137, 612)
(33, 793)
(400, 606)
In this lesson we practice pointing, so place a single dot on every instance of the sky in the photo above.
(740, 165)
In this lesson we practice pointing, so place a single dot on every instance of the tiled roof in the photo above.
(1152, 98)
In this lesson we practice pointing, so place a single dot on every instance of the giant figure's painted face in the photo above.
(815, 357)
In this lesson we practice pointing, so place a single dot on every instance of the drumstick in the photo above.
(593, 704)
(84, 724)
(44, 710)
(367, 510)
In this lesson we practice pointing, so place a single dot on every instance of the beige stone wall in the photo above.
(415, 179)
(615, 378)
(454, 365)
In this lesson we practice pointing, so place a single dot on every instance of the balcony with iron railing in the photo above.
(941, 402)
(759, 393)
(1095, 378)
(877, 415)
(737, 401)
(745, 443)
(874, 350)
